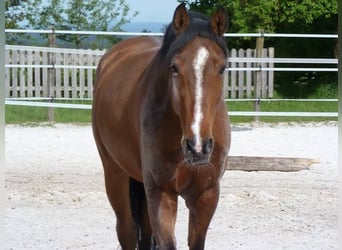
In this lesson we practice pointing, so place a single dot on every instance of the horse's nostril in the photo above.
(208, 145)
(205, 148)
(195, 154)
(190, 145)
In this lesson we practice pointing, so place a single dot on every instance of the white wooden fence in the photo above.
(69, 73)
(243, 83)
(50, 72)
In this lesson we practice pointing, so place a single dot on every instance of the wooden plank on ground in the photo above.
(257, 163)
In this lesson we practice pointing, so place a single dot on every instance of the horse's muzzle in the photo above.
(197, 155)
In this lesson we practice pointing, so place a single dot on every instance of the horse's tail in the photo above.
(137, 198)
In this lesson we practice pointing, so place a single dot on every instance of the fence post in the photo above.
(258, 74)
(51, 73)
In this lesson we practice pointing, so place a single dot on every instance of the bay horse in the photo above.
(161, 128)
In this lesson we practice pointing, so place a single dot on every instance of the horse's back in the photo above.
(121, 67)
(116, 94)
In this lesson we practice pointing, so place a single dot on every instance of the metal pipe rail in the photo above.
(48, 102)
(16, 102)
(226, 100)
(54, 66)
(111, 33)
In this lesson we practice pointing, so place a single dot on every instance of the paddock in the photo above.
(56, 196)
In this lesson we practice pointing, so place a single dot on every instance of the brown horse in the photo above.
(162, 129)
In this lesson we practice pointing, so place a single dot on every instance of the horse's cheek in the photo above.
(175, 96)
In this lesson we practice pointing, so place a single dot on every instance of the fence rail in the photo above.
(28, 69)
(241, 81)
(21, 91)
(28, 72)
(231, 113)
(114, 33)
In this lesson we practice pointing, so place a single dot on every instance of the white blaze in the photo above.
(199, 62)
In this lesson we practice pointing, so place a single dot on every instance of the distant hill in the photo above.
(42, 40)
(145, 27)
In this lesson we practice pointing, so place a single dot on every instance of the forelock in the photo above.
(199, 26)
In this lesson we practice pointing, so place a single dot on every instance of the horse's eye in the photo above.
(222, 69)
(174, 68)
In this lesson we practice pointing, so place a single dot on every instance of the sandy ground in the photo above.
(56, 197)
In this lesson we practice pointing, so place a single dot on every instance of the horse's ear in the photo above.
(219, 21)
(180, 19)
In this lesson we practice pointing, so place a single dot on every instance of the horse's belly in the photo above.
(115, 114)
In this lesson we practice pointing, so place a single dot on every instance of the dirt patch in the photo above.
(56, 196)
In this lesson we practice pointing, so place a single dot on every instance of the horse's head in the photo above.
(197, 57)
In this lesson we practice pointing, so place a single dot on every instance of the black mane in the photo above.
(199, 26)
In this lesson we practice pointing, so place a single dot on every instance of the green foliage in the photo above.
(32, 115)
(13, 15)
(25, 114)
(292, 16)
(278, 16)
(77, 15)
(323, 92)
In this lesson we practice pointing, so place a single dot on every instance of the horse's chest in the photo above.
(191, 181)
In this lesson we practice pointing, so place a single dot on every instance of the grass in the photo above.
(24, 114)
(324, 91)
(284, 106)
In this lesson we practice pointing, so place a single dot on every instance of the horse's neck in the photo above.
(157, 110)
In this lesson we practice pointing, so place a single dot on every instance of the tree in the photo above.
(13, 15)
(274, 16)
(78, 15)
(277, 16)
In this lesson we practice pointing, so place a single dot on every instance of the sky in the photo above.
(153, 10)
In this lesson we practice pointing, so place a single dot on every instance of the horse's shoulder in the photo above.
(135, 46)
(130, 49)
(143, 42)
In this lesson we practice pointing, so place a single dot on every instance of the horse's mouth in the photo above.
(195, 155)
(196, 159)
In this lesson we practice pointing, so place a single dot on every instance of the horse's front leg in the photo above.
(162, 209)
(201, 212)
